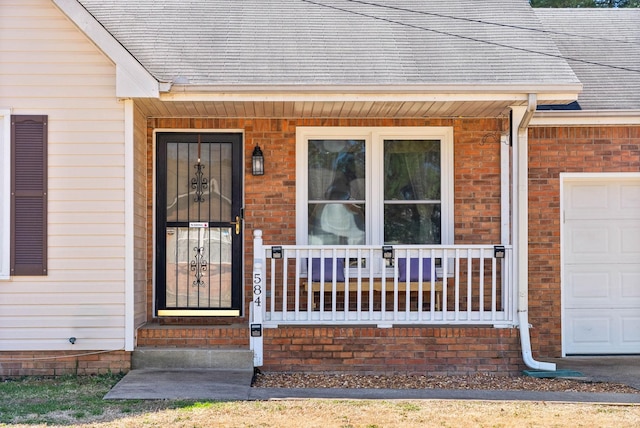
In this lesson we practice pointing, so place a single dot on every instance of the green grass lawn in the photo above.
(67, 400)
(78, 401)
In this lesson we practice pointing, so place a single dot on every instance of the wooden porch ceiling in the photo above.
(325, 109)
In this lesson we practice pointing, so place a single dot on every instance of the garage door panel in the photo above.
(589, 238)
(630, 328)
(598, 241)
(630, 198)
(594, 200)
(591, 331)
(630, 286)
(586, 199)
(609, 286)
(601, 265)
(587, 284)
(630, 239)
(588, 327)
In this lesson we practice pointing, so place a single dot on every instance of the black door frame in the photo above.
(236, 140)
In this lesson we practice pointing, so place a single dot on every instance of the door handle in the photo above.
(238, 223)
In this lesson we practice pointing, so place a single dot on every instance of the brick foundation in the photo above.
(400, 350)
(227, 337)
(58, 363)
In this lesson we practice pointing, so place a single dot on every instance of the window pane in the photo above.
(198, 271)
(337, 223)
(412, 224)
(336, 169)
(412, 173)
(412, 170)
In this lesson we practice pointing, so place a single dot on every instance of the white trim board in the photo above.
(132, 79)
(5, 191)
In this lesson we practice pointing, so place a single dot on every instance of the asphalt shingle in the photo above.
(335, 42)
(603, 48)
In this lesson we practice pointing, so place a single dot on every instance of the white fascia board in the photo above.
(129, 269)
(132, 79)
(554, 90)
(338, 93)
(586, 118)
(5, 190)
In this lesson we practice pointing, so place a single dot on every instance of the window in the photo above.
(28, 222)
(374, 186)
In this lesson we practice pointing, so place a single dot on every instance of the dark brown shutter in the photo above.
(28, 195)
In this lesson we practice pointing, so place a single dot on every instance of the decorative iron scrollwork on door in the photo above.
(199, 182)
(199, 266)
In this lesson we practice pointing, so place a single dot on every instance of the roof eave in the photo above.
(547, 93)
(586, 118)
(132, 79)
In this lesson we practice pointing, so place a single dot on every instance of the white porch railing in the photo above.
(400, 284)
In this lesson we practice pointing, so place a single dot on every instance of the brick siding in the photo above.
(270, 204)
(552, 151)
(270, 199)
(58, 363)
(400, 350)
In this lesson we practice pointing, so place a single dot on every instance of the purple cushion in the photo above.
(414, 271)
(328, 270)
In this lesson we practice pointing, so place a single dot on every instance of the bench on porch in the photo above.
(343, 284)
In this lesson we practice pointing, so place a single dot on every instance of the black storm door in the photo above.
(199, 224)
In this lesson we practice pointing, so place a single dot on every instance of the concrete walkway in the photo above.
(619, 369)
(234, 385)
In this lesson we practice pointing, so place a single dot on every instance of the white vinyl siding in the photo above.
(47, 66)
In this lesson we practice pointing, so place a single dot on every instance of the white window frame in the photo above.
(5, 193)
(374, 157)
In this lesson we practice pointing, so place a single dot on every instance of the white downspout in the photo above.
(521, 118)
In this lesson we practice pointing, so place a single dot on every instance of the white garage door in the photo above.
(601, 257)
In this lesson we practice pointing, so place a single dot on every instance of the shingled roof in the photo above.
(336, 42)
(603, 48)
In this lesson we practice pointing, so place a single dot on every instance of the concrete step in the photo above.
(192, 358)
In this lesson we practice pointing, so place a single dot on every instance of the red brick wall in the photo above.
(270, 206)
(190, 336)
(57, 363)
(552, 151)
(270, 199)
(411, 350)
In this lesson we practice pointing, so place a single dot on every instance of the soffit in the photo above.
(325, 109)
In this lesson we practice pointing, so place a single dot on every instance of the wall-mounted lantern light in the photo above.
(257, 161)
(387, 252)
(276, 252)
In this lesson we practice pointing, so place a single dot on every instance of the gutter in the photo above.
(390, 93)
(564, 118)
(550, 92)
(521, 232)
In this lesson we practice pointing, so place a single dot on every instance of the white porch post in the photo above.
(505, 186)
(257, 304)
(520, 226)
